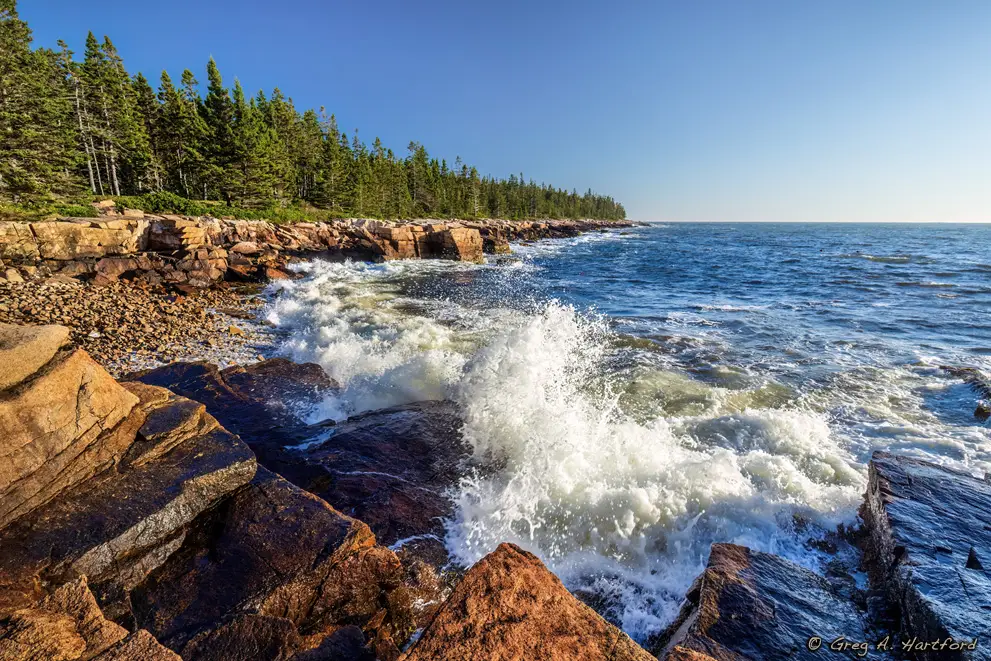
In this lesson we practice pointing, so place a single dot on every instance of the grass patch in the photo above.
(33, 213)
(164, 202)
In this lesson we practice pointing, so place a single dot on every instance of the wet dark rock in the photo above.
(345, 644)
(275, 551)
(929, 548)
(259, 402)
(139, 645)
(246, 637)
(748, 605)
(389, 468)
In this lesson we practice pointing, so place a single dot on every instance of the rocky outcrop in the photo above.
(68, 625)
(198, 252)
(748, 605)
(929, 548)
(510, 607)
(293, 571)
(390, 468)
(140, 495)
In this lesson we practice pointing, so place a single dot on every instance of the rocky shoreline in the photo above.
(127, 326)
(185, 512)
(156, 505)
(197, 252)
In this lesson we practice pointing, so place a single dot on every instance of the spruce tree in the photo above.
(183, 133)
(150, 113)
(218, 112)
(252, 175)
(67, 126)
(36, 131)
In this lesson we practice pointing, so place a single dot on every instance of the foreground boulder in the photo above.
(68, 625)
(270, 572)
(140, 495)
(390, 468)
(59, 419)
(929, 548)
(169, 462)
(748, 605)
(510, 607)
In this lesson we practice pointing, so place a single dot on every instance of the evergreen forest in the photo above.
(74, 128)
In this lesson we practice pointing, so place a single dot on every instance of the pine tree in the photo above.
(308, 154)
(67, 125)
(36, 130)
(128, 129)
(252, 176)
(150, 113)
(218, 113)
(183, 133)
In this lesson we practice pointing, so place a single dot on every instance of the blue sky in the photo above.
(683, 110)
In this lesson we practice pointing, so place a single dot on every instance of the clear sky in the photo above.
(682, 109)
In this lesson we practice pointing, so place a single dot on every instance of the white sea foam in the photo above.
(618, 480)
(350, 319)
(622, 509)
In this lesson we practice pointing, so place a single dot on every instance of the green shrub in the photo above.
(76, 210)
(164, 202)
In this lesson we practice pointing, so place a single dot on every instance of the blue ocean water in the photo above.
(635, 395)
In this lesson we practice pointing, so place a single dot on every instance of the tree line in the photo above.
(74, 127)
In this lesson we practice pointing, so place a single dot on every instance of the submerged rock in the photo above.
(929, 548)
(748, 605)
(510, 607)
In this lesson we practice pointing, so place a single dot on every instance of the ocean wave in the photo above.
(889, 259)
(620, 507)
(727, 307)
(927, 285)
(618, 457)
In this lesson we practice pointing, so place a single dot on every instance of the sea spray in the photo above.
(622, 510)
(349, 319)
(734, 391)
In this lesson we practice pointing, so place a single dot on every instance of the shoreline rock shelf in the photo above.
(201, 251)
(188, 514)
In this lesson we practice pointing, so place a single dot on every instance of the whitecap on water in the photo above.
(622, 509)
(619, 479)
